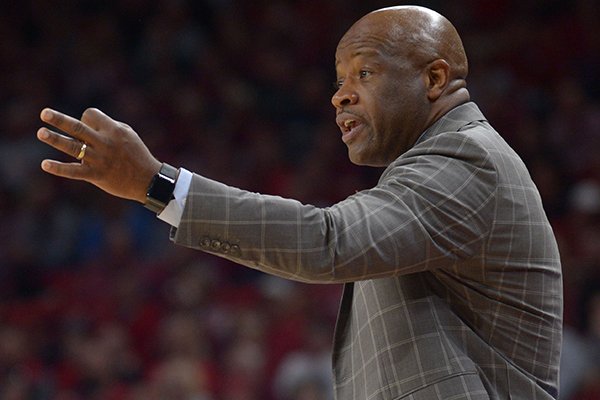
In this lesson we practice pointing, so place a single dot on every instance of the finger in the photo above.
(96, 119)
(69, 125)
(65, 144)
(66, 170)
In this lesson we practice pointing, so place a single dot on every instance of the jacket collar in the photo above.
(453, 121)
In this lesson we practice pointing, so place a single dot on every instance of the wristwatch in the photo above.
(160, 191)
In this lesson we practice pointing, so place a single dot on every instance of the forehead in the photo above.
(366, 47)
(366, 39)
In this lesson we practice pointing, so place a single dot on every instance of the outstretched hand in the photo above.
(114, 157)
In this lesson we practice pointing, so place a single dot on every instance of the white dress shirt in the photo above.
(173, 211)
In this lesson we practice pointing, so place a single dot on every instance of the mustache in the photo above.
(347, 112)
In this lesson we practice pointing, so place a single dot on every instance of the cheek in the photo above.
(401, 124)
(393, 107)
(394, 99)
(392, 116)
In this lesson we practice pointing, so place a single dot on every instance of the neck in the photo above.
(455, 94)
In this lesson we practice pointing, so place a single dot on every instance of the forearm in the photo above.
(359, 238)
(263, 232)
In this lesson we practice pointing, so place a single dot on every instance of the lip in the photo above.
(350, 125)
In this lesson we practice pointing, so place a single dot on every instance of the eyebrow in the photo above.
(361, 52)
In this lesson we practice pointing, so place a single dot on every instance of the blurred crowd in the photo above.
(96, 303)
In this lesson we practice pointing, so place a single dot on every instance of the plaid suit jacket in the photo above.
(453, 280)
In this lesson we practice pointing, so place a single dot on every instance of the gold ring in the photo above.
(81, 152)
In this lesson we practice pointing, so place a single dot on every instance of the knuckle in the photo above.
(55, 140)
(121, 129)
(78, 127)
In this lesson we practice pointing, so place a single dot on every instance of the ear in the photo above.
(437, 77)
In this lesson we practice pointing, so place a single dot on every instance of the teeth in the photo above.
(348, 123)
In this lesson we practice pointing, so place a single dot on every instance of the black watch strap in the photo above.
(160, 191)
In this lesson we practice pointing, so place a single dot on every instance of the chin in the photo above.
(367, 155)
(356, 159)
(363, 161)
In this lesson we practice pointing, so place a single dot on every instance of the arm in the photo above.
(427, 211)
(431, 206)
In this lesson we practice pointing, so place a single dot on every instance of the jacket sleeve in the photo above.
(430, 207)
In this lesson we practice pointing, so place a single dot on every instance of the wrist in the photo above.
(160, 190)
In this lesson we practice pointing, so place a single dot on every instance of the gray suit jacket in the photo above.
(453, 279)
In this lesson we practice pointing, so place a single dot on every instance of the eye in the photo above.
(338, 84)
(364, 73)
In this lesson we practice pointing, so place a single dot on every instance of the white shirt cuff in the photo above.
(174, 210)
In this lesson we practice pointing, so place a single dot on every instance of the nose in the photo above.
(344, 96)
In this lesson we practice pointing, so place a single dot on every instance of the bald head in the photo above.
(398, 71)
(416, 34)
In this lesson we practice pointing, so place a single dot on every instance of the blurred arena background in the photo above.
(96, 303)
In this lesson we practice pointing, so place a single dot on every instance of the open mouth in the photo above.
(349, 128)
(348, 125)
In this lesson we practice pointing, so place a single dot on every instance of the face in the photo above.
(381, 102)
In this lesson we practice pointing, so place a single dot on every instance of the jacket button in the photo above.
(225, 247)
(235, 249)
(215, 245)
(205, 242)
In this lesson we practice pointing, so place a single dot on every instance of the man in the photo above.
(451, 270)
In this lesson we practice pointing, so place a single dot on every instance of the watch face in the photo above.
(161, 189)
